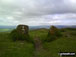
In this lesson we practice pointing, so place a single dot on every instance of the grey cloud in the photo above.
(40, 7)
(38, 11)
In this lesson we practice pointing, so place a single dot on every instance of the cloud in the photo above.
(38, 12)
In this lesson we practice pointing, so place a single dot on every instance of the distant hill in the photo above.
(38, 27)
(63, 26)
(7, 27)
(5, 30)
(47, 27)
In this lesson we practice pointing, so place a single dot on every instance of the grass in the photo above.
(60, 45)
(41, 33)
(5, 30)
(8, 48)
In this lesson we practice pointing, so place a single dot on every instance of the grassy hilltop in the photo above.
(8, 48)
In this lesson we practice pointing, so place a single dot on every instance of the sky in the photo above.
(37, 12)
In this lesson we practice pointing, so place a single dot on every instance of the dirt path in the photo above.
(38, 45)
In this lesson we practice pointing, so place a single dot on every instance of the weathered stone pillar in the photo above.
(54, 33)
(23, 29)
(20, 33)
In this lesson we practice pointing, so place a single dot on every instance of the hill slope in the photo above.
(8, 48)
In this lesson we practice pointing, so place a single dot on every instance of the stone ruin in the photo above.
(20, 33)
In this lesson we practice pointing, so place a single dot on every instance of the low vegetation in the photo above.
(65, 43)
(18, 36)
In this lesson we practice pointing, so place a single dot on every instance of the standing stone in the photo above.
(23, 29)
(53, 33)
(20, 33)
